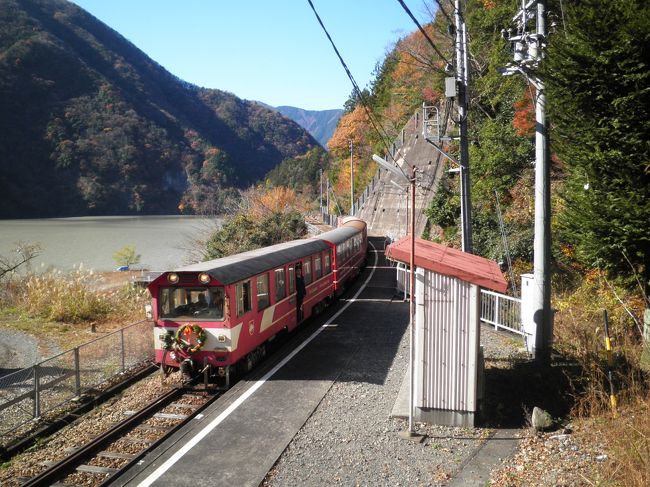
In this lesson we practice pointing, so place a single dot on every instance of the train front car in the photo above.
(191, 316)
(217, 315)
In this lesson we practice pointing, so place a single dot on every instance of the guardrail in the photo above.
(501, 311)
(30, 393)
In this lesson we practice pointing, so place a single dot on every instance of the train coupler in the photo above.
(223, 378)
(187, 369)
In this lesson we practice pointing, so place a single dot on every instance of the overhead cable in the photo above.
(435, 48)
(364, 102)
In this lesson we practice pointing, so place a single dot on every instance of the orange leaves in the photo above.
(407, 69)
(263, 202)
(430, 95)
(524, 119)
(211, 152)
(353, 127)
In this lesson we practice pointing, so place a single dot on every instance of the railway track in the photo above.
(114, 451)
(87, 403)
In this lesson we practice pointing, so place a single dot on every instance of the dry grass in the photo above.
(625, 437)
(76, 298)
(580, 335)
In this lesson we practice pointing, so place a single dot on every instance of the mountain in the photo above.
(92, 126)
(319, 123)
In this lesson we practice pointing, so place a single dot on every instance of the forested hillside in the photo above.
(91, 126)
(598, 93)
(597, 75)
(319, 123)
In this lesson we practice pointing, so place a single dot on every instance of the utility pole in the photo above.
(528, 52)
(462, 81)
(327, 196)
(396, 170)
(321, 192)
(351, 182)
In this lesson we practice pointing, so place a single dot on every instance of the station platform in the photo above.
(239, 438)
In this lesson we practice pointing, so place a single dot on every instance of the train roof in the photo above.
(339, 235)
(235, 268)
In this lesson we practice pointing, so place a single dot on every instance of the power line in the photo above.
(401, 2)
(364, 103)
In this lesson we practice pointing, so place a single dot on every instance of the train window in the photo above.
(328, 265)
(263, 291)
(318, 269)
(205, 304)
(280, 286)
(292, 280)
(306, 271)
(243, 293)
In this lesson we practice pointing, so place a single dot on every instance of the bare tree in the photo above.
(26, 252)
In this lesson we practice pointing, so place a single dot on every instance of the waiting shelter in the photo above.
(448, 362)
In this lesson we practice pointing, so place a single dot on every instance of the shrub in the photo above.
(65, 298)
(126, 256)
(579, 335)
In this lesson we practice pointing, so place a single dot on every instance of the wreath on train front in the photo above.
(184, 333)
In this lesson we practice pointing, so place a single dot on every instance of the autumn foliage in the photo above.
(524, 119)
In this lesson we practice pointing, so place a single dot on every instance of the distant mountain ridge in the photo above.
(92, 126)
(319, 123)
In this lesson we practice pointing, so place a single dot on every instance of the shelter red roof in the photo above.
(449, 262)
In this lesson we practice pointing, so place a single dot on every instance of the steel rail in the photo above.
(66, 466)
(65, 419)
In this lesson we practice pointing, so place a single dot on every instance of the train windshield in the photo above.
(191, 303)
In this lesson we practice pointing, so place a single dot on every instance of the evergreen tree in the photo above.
(597, 79)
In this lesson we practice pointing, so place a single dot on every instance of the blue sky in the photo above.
(273, 51)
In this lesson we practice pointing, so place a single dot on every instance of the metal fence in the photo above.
(501, 311)
(366, 193)
(328, 219)
(31, 393)
(403, 279)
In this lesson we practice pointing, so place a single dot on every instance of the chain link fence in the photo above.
(32, 393)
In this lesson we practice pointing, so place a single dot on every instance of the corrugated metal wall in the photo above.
(447, 341)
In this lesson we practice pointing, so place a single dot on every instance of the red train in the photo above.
(217, 316)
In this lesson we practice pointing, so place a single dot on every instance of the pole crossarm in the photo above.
(390, 167)
(441, 150)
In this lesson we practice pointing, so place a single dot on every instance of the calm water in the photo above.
(163, 241)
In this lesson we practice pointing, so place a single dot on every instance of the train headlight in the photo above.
(204, 278)
(172, 278)
(221, 338)
(173, 356)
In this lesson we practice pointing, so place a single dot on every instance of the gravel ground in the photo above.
(561, 458)
(351, 440)
(17, 350)
(102, 418)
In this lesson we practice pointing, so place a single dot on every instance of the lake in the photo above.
(163, 242)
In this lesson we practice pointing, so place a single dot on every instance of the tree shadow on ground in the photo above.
(514, 387)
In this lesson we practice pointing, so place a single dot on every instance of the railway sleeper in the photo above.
(97, 470)
(116, 454)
